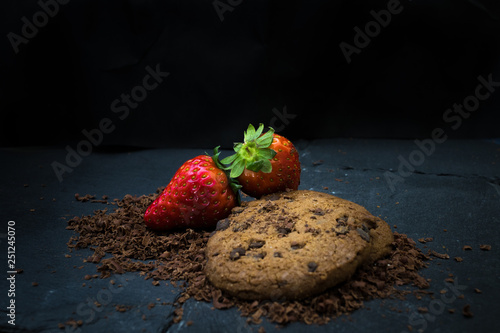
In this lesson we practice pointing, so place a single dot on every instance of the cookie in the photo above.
(293, 245)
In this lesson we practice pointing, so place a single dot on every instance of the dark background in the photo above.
(224, 74)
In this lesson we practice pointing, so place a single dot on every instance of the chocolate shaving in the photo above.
(467, 312)
(439, 255)
(85, 198)
(121, 243)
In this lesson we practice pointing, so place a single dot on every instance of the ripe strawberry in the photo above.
(199, 195)
(264, 163)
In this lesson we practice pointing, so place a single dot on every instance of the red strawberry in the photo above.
(264, 163)
(199, 195)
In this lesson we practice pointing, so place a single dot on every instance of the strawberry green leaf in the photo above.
(266, 166)
(265, 140)
(266, 153)
(237, 168)
(253, 154)
(250, 133)
(229, 159)
(237, 146)
(255, 166)
(259, 131)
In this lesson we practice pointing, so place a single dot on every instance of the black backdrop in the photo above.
(164, 73)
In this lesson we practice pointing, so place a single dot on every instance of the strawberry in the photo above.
(264, 163)
(199, 195)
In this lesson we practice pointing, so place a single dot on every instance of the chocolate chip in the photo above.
(241, 226)
(369, 222)
(260, 255)
(318, 211)
(312, 266)
(222, 224)
(341, 230)
(256, 244)
(283, 231)
(278, 255)
(363, 234)
(341, 221)
(267, 207)
(237, 253)
(296, 245)
(313, 231)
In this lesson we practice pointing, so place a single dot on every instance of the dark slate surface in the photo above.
(455, 187)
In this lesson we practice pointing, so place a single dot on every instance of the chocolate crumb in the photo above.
(425, 240)
(85, 198)
(467, 312)
(120, 238)
(467, 248)
(439, 255)
(485, 247)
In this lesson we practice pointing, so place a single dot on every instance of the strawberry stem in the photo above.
(253, 154)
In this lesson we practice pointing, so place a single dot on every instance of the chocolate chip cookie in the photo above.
(293, 245)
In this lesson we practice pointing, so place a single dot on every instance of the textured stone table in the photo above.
(449, 191)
